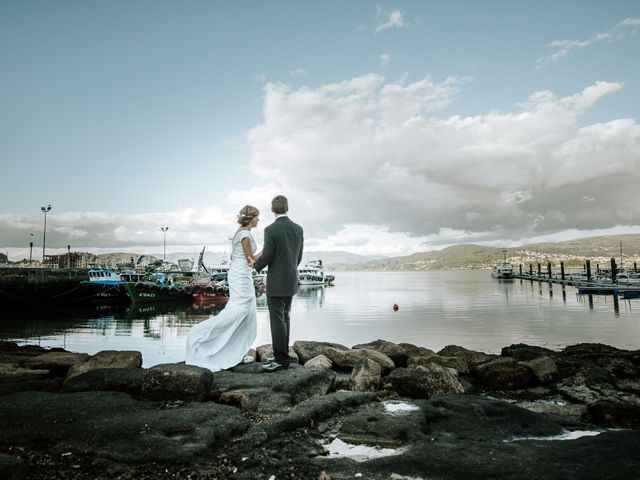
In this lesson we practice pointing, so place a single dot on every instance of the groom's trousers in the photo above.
(279, 308)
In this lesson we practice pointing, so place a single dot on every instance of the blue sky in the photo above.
(392, 126)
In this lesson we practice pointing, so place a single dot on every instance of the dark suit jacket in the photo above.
(282, 253)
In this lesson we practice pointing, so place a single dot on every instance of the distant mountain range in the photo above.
(572, 252)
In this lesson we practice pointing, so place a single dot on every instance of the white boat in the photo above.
(104, 276)
(312, 273)
(503, 270)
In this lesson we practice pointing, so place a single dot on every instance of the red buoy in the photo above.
(395, 307)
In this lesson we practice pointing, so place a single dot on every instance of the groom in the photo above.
(282, 253)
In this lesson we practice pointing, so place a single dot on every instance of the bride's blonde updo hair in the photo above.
(247, 213)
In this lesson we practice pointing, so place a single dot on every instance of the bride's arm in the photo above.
(246, 249)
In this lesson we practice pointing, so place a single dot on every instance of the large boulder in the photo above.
(472, 357)
(257, 400)
(544, 369)
(523, 352)
(319, 362)
(415, 351)
(58, 363)
(365, 376)
(614, 414)
(115, 427)
(503, 374)
(176, 381)
(392, 350)
(127, 380)
(108, 359)
(250, 387)
(10, 372)
(306, 350)
(265, 351)
(424, 381)
(591, 386)
(346, 359)
(457, 363)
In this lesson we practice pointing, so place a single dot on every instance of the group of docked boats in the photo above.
(200, 285)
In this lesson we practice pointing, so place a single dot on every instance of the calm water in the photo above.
(465, 308)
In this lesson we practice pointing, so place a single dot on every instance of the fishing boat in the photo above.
(104, 284)
(312, 273)
(503, 270)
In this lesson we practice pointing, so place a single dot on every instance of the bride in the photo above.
(222, 341)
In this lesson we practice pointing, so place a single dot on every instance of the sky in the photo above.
(392, 127)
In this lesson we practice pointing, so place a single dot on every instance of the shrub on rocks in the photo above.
(108, 359)
(346, 359)
(394, 351)
(423, 381)
(176, 381)
(320, 361)
(365, 376)
(306, 350)
(503, 374)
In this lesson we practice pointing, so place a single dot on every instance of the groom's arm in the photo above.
(267, 251)
(301, 245)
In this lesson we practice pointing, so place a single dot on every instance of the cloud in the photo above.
(563, 48)
(394, 19)
(297, 72)
(385, 58)
(366, 151)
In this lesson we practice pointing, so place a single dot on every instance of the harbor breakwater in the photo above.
(378, 410)
(41, 285)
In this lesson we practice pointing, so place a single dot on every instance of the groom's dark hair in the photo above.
(279, 204)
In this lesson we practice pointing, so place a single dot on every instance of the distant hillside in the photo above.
(573, 253)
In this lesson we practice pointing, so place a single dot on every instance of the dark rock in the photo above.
(10, 372)
(365, 376)
(114, 426)
(43, 385)
(522, 352)
(392, 350)
(108, 359)
(306, 350)
(258, 400)
(176, 381)
(128, 380)
(298, 382)
(12, 468)
(472, 358)
(415, 351)
(342, 381)
(614, 414)
(346, 359)
(502, 374)
(544, 368)
(425, 381)
(591, 386)
(594, 351)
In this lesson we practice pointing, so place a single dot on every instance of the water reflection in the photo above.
(435, 309)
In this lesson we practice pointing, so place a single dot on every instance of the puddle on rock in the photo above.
(360, 453)
(397, 407)
(563, 436)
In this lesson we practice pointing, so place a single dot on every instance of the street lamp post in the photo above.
(31, 248)
(164, 242)
(45, 210)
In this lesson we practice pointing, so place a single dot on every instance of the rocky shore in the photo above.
(378, 410)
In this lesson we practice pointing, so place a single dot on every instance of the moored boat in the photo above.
(312, 273)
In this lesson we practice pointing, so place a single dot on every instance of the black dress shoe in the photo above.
(273, 366)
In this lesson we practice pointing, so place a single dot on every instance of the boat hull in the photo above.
(149, 292)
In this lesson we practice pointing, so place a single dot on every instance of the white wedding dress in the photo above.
(222, 341)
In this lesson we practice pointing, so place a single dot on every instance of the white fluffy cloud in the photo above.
(368, 152)
(393, 19)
